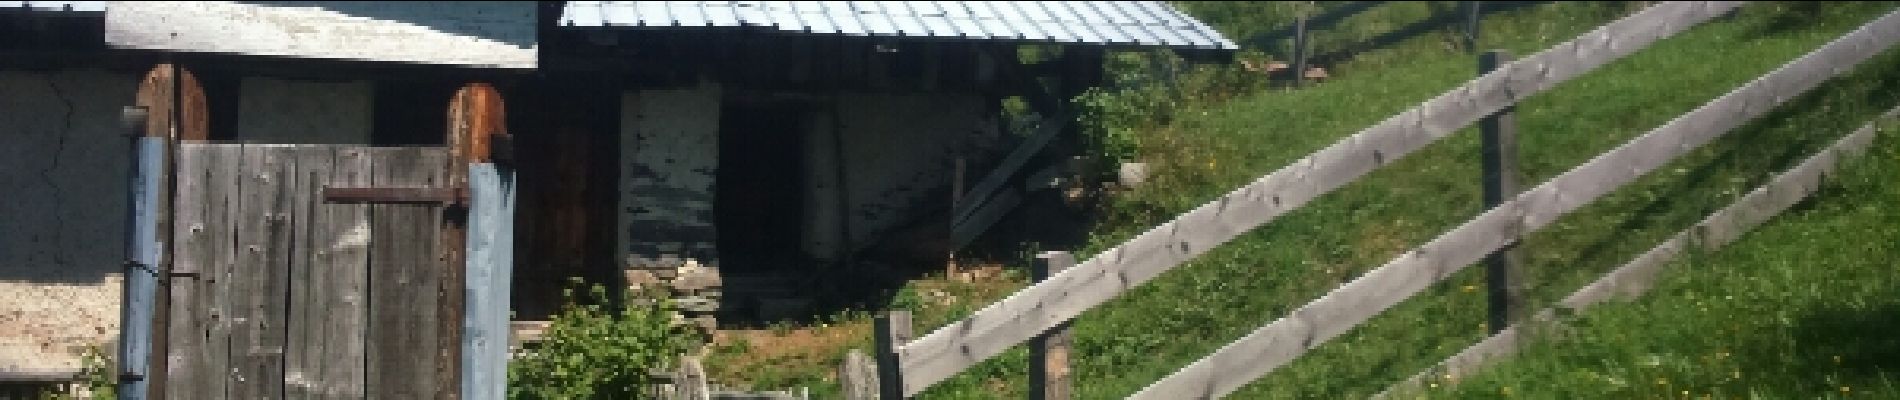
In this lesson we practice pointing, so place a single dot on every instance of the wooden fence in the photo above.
(1636, 276)
(907, 367)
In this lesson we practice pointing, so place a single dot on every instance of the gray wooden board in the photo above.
(183, 342)
(1283, 340)
(198, 341)
(261, 237)
(307, 275)
(1636, 276)
(403, 345)
(1040, 307)
(186, 320)
(341, 239)
(224, 252)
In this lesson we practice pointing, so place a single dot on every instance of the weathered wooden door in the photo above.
(287, 295)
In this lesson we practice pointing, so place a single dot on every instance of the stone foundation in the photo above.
(694, 287)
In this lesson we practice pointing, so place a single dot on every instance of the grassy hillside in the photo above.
(1803, 307)
(1226, 130)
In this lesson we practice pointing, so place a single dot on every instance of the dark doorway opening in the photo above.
(759, 199)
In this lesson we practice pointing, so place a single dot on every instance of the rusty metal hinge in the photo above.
(396, 195)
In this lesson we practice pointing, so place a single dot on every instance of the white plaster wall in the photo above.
(899, 151)
(63, 160)
(288, 111)
(669, 160)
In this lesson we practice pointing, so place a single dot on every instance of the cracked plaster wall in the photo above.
(63, 160)
(63, 164)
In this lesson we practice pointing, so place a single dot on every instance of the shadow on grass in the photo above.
(1765, 147)
(1862, 338)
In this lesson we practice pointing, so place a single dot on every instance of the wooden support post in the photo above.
(1504, 268)
(1049, 353)
(893, 330)
(479, 287)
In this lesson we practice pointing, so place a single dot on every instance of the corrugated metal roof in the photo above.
(78, 6)
(1133, 23)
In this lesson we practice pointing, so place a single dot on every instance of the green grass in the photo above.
(1213, 142)
(1803, 307)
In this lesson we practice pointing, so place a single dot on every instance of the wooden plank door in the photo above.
(304, 298)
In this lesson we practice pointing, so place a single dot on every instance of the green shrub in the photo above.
(593, 351)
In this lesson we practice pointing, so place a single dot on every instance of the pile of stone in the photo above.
(694, 287)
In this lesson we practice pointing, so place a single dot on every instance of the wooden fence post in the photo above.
(1299, 48)
(893, 330)
(1473, 10)
(1049, 353)
(1504, 268)
(858, 375)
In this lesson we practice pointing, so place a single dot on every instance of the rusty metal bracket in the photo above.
(397, 195)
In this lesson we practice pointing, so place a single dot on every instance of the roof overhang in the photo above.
(1115, 24)
(476, 34)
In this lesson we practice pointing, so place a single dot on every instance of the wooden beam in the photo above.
(985, 190)
(1035, 309)
(1303, 329)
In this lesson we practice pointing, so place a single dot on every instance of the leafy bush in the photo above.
(96, 377)
(593, 351)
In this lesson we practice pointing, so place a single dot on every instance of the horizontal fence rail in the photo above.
(1635, 277)
(1040, 307)
(1285, 339)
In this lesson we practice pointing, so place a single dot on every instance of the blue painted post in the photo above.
(490, 268)
(142, 258)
